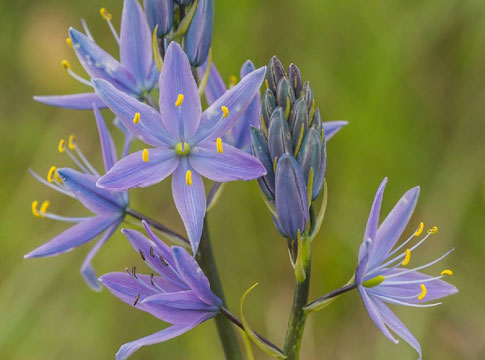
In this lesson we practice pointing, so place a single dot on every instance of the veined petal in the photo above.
(393, 226)
(178, 85)
(75, 236)
(83, 186)
(83, 101)
(166, 334)
(136, 52)
(215, 87)
(393, 322)
(237, 100)
(190, 201)
(332, 127)
(193, 276)
(232, 164)
(99, 64)
(132, 171)
(149, 128)
(107, 144)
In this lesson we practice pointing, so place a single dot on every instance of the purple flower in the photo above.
(240, 135)
(187, 141)
(108, 207)
(181, 296)
(135, 73)
(382, 276)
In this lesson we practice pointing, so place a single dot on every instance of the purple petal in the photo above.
(87, 270)
(176, 78)
(83, 101)
(149, 129)
(73, 237)
(215, 87)
(166, 334)
(83, 186)
(136, 52)
(199, 36)
(237, 100)
(159, 12)
(392, 227)
(375, 315)
(330, 128)
(107, 144)
(232, 164)
(190, 202)
(193, 276)
(99, 64)
(397, 326)
(132, 171)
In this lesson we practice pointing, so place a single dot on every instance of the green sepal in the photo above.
(374, 281)
(156, 52)
(321, 214)
(184, 24)
(205, 78)
(302, 257)
(213, 198)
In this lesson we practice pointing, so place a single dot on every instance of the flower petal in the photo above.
(149, 128)
(194, 277)
(215, 87)
(199, 36)
(232, 164)
(132, 171)
(330, 128)
(73, 237)
(159, 12)
(392, 227)
(83, 101)
(176, 78)
(237, 100)
(107, 144)
(171, 332)
(136, 52)
(190, 201)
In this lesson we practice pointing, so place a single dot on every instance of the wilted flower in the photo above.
(109, 207)
(381, 276)
(199, 36)
(181, 295)
(187, 141)
(135, 73)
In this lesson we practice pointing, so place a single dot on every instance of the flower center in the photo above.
(182, 148)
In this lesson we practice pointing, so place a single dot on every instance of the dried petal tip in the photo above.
(420, 229)
(105, 14)
(145, 155)
(433, 230)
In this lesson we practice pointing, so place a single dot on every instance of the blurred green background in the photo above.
(408, 75)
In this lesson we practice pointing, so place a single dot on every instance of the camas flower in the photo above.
(135, 73)
(381, 276)
(181, 296)
(240, 135)
(187, 141)
(109, 207)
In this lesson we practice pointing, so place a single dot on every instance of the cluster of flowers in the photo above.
(280, 140)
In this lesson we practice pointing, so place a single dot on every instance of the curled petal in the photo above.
(107, 144)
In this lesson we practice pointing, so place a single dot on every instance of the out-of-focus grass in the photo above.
(408, 75)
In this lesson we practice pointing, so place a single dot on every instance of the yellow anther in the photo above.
(433, 230)
(423, 292)
(105, 14)
(220, 150)
(266, 83)
(66, 65)
(144, 155)
(188, 177)
(57, 177)
(43, 207)
(225, 111)
(232, 81)
(180, 99)
(420, 229)
(35, 203)
(447, 272)
(71, 144)
(61, 146)
(136, 118)
(69, 42)
(407, 258)
(51, 172)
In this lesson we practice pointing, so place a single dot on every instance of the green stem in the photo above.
(225, 329)
(296, 323)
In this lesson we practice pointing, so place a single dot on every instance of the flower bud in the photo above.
(159, 12)
(267, 106)
(274, 73)
(294, 75)
(284, 94)
(297, 119)
(308, 95)
(310, 156)
(319, 177)
(184, 2)
(199, 36)
(279, 138)
(260, 149)
(317, 121)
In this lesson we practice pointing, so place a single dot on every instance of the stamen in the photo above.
(53, 186)
(232, 81)
(66, 65)
(420, 229)
(180, 99)
(72, 142)
(35, 203)
(136, 300)
(144, 155)
(188, 177)
(136, 118)
(433, 230)
(164, 263)
(105, 14)
(152, 254)
(220, 150)
(407, 258)
(57, 177)
(51, 172)
(43, 207)
(141, 254)
(133, 271)
(69, 42)
(225, 111)
(423, 292)
(151, 279)
(61, 146)
(446, 272)
(393, 300)
(71, 146)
